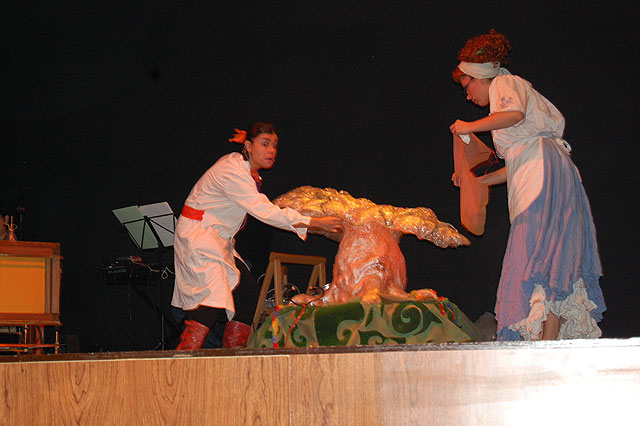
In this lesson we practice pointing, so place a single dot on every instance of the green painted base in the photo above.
(393, 321)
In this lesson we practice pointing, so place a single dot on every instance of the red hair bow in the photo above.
(239, 137)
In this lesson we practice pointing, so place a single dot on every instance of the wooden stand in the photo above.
(30, 292)
(274, 273)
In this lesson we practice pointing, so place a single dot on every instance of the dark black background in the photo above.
(112, 104)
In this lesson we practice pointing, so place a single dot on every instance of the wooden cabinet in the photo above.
(30, 290)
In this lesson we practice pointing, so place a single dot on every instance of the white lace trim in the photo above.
(576, 322)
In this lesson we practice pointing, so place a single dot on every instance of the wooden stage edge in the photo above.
(492, 383)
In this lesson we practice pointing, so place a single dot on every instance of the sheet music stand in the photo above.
(151, 226)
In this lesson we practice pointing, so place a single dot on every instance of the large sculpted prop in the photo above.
(369, 262)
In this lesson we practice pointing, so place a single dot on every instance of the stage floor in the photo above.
(576, 381)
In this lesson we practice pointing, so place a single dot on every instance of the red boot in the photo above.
(235, 334)
(193, 336)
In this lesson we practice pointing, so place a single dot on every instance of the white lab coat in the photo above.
(204, 250)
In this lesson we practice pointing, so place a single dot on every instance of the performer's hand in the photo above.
(330, 224)
(494, 178)
(460, 127)
(455, 179)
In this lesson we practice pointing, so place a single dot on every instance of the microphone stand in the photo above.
(21, 210)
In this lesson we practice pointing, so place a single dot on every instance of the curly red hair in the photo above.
(490, 47)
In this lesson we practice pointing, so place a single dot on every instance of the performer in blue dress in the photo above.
(549, 287)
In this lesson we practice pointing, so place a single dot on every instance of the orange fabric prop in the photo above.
(474, 195)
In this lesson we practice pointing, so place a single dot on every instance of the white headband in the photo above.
(484, 70)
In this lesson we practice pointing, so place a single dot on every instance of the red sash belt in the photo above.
(191, 213)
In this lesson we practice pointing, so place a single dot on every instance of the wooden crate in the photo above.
(30, 287)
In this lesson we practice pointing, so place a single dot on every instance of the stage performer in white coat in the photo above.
(211, 278)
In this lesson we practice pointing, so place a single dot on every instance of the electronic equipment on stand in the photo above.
(151, 227)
